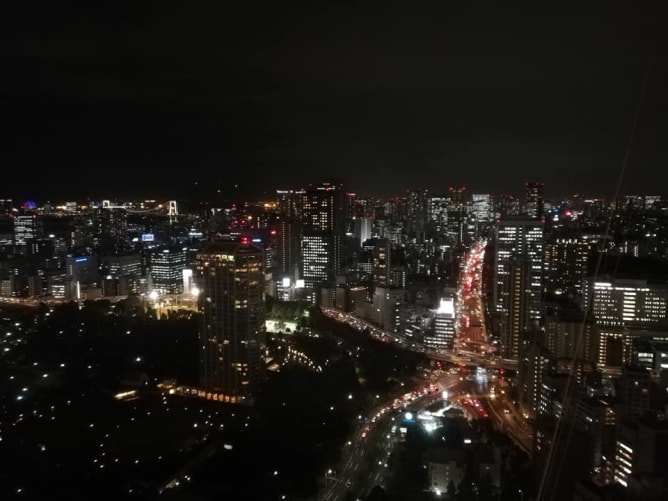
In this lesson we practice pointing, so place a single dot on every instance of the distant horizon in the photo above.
(157, 98)
(193, 197)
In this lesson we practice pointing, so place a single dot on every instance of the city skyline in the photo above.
(144, 99)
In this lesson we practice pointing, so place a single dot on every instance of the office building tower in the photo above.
(80, 271)
(397, 208)
(362, 230)
(641, 458)
(481, 207)
(514, 318)
(624, 302)
(127, 268)
(535, 361)
(441, 336)
(323, 226)
(385, 306)
(507, 205)
(317, 255)
(288, 203)
(351, 207)
(597, 418)
(651, 354)
(364, 207)
(566, 262)
(230, 279)
(166, 269)
(458, 208)
(416, 220)
(288, 248)
(27, 227)
(112, 227)
(382, 263)
(438, 213)
(519, 236)
(533, 200)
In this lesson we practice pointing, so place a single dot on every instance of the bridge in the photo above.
(459, 357)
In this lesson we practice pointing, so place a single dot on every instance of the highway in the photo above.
(462, 357)
(365, 459)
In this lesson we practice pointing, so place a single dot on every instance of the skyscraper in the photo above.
(515, 315)
(418, 213)
(566, 263)
(533, 201)
(524, 237)
(167, 266)
(382, 263)
(230, 278)
(28, 228)
(517, 278)
(323, 219)
(112, 227)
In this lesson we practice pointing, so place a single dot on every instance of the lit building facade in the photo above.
(167, 265)
(27, 227)
(230, 279)
(515, 317)
(112, 227)
(438, 212)
(519, 236)
(566, 262)
(481, 207)
(323, 225)
(625, 302)
(534, 200)
(362, 230)
(416, 220)
(442, 334)
(382, 263)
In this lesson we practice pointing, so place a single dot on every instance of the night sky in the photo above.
(172, 99)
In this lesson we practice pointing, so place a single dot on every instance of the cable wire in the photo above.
(545, 494)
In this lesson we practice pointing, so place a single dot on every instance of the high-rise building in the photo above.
(624, 302)
(112, 227)
(458, 208)
(442, 334)
(536, 359)
(481, 206)
(515, 316)
(230, 279)
(288, 203)
(80, 271)
(566, 262)
(416, 220)
(166, 265)
(438, 213)
(507, 205)
(323, 226)
(362, 230)
(28, 228)
(641, 457)
(519, 236)
(534, 201)
(382, 263)
(597, 418)
(288, 252)
(127, 267)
